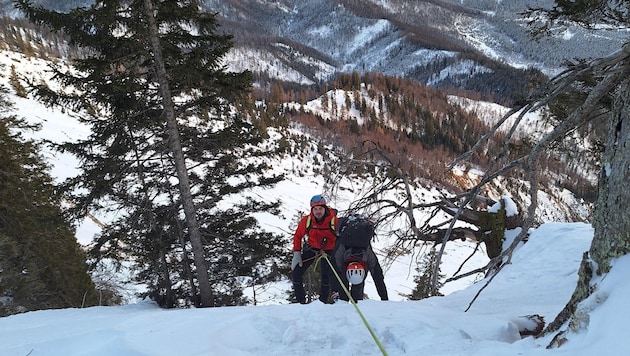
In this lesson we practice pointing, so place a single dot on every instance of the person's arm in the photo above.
(297, 244)
(300, 232)
(377, 274)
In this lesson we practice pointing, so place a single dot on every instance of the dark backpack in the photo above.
(356, 231)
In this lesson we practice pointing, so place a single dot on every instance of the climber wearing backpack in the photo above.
(319, 227)
(354, 256)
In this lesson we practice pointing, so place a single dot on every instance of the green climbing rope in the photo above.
(356, 307)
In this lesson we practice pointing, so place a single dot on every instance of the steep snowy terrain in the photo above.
(303, 179)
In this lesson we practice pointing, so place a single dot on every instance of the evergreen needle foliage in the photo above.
(165, 152)
(41, 263)
(424, 287)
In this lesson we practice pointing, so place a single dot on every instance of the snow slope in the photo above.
(539, 281)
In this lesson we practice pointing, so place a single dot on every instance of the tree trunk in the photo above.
(164, 295)
(492, 230)
(611, 220)
(205, 290)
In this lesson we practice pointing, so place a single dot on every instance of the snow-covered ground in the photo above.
(540, 281)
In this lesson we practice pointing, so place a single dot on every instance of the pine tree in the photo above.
(41, 264)
(424, 281)
(14, 80)
(164, 150)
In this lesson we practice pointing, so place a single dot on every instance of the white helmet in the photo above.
(355, 273)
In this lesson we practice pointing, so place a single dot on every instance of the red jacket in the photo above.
(317, 232)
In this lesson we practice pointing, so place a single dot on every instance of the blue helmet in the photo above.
(317, 200)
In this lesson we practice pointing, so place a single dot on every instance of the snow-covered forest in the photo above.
(185, 194)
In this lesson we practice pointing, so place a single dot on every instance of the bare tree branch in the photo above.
(612, 69)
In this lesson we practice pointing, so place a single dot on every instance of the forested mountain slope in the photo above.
(477, 46)
(317, 112)
(481, 46)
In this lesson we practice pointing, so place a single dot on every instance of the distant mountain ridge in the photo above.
(479, 46)
(276, 58)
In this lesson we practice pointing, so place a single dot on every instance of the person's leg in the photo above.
(298, 285)
(341, 270)
(297, 276)
(356, 291)
(327, 278)
(342, 292)
(335, 286)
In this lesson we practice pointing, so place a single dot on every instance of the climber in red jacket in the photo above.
(319, 227)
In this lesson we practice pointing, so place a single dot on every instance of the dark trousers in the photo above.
(327, 277)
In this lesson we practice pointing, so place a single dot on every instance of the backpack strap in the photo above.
(309, 223)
